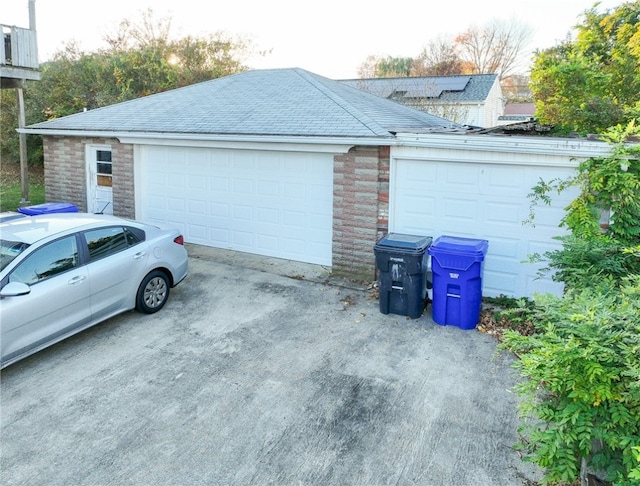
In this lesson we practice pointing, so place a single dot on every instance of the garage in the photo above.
(271, 203)
(485, 199)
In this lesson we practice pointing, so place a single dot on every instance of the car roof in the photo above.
(35, 228)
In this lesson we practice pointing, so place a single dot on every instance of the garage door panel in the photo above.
(243, 187)
(506, 248)
(268, 188)
(217, 236)
(548, 217)
(459, 209)
(507, 182)
(461, 179)
(318, 222)
(272, 203)
(411, 175)
(493, 282)
(502, 212)
(484, 201)
(267, 215)
(267, 242)
(219, 183)
(294, 246)
(198, 231)
(219, 209)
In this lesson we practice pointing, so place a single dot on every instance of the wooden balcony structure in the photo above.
(18, 55)
(19, 63)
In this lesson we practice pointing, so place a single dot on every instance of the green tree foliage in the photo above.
(141, 60)
(582, 388)
(581, 394)
(592, 82)
(610, 183)
(9, 143)
(387, 67)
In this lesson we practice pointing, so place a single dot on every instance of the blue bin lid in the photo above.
(459, 246)
(404, 242)
(48, 208)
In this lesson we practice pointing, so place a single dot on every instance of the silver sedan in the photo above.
(62, 273)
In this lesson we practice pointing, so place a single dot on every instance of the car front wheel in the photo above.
(153, 292)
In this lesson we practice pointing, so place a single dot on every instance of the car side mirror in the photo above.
(15, 289)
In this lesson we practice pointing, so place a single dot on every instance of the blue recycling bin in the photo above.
(402, 262)
(457, 265)
(48, 208)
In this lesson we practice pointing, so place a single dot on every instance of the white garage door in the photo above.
(483, 201)
(276, 204)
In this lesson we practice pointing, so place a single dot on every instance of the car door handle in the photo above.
(77, 280)
(138, 256)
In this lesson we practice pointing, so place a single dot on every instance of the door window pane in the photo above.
(104, 168)
(52, 259)
(103, 156)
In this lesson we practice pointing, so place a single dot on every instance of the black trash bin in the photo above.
(402, 262)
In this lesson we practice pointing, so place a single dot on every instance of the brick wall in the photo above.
(360, 209)
(65, 177)
(124, 201)
(65, 173)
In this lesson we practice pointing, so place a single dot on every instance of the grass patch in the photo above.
(11, 186)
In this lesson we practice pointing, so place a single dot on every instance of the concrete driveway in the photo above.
(257, 372)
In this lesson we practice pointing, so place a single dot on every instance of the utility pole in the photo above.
(24, 167)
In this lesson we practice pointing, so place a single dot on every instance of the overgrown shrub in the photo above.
(581, 393)
(583, 262)
(610, 183)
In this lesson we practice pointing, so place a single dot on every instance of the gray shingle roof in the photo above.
(286, 102)
(461, 88)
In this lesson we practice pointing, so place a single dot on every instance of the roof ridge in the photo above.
(348, 107)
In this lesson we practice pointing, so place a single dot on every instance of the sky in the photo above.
(331, 38)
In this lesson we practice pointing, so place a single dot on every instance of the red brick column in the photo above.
(124, 202)
(360, 209)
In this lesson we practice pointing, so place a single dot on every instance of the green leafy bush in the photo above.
(581, 393)
(610, 184)
(583, 262)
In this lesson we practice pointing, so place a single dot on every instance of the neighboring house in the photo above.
(517, 113)
(470, 99)
(290, 164)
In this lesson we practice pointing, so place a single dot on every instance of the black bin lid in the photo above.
(403, 242)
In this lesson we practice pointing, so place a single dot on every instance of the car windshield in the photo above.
(9, 250)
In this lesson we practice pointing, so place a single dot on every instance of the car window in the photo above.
(9, 250)
(52, 259)
(103, 242)
(134, 235)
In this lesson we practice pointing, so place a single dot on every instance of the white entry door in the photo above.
(99, 179)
